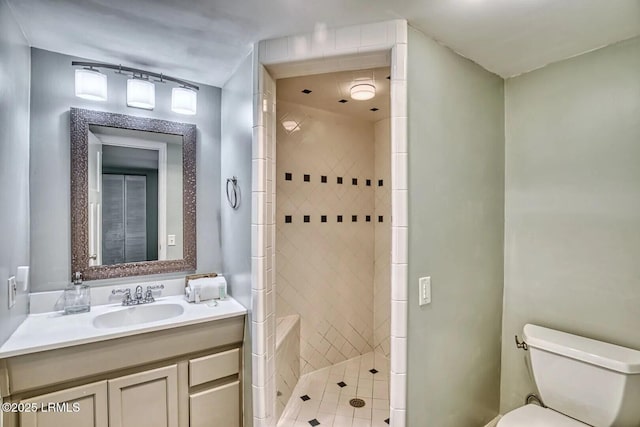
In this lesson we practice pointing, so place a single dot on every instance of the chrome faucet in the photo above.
(138, 296)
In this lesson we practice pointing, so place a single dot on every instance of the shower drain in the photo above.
(357, 403)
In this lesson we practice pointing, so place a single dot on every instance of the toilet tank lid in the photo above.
(599, 353)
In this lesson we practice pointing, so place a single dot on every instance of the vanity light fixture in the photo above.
(184, 101)
(92, 84)
(141, 93)
(362, 92)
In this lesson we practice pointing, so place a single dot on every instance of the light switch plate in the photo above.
(12, 289)
(171, 240)
(22, 277)
(424, 288)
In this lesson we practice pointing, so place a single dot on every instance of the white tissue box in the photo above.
(206, 288)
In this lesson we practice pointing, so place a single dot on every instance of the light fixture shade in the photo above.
(184, 101)
(91, 84)
(362, 92)
(141, 94)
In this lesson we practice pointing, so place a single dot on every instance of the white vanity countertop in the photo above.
(48, 331)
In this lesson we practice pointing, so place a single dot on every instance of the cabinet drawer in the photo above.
(218, 407)
(210, 368)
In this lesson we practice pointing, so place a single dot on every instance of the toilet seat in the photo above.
(537, 416)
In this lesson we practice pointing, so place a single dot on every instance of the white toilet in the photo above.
(581, 381)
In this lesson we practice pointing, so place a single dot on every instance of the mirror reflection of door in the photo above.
(95, 200)
(135, 196)
(126, 236)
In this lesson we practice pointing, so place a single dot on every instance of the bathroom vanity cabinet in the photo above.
(88, 407)
(182, 377)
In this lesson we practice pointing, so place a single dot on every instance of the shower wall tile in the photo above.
(262, 252)
(374, 34)
(259, 397)
(382, 272)
(398, 98)
(322, 57)
(399, 316)
(325, 270)
(259, 305)
(399, 62)
(287, 359)
(348, 38)
(260, 342)
(258, 208)
(330, 42)
(399, 172)
(399, 139)
(277, 48)
(399, 212)
(258, 273)
(399, 274)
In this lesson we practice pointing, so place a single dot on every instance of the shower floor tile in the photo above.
(329, 391)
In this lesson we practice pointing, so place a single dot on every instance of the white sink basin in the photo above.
(136, 315)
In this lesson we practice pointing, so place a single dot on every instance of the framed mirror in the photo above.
(133, 195)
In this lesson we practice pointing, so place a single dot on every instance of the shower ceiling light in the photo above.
(362, 92)
(141, 94)
(184, 101)
(91, 84)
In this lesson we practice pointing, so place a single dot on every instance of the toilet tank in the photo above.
(592, 381)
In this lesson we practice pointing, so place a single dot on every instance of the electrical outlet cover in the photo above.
(22, 277)
(12, 288)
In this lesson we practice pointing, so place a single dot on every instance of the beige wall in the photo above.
(456, 206)
(325, 270)
(572, 231)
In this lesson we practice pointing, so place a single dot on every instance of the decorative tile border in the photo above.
(308, 219)
(349, 48)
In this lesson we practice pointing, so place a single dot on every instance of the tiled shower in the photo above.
(333, 256)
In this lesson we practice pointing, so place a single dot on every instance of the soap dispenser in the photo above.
(77, 296)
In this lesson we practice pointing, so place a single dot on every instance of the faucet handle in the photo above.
(138, 293)
(126, 299)
(148, 297)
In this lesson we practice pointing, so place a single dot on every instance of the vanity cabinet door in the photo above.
(84, 406)
(145, 399)
(217, 407)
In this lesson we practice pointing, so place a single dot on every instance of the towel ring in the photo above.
(233, 196)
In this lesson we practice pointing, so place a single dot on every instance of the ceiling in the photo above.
(327, 90)
(205, 40)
